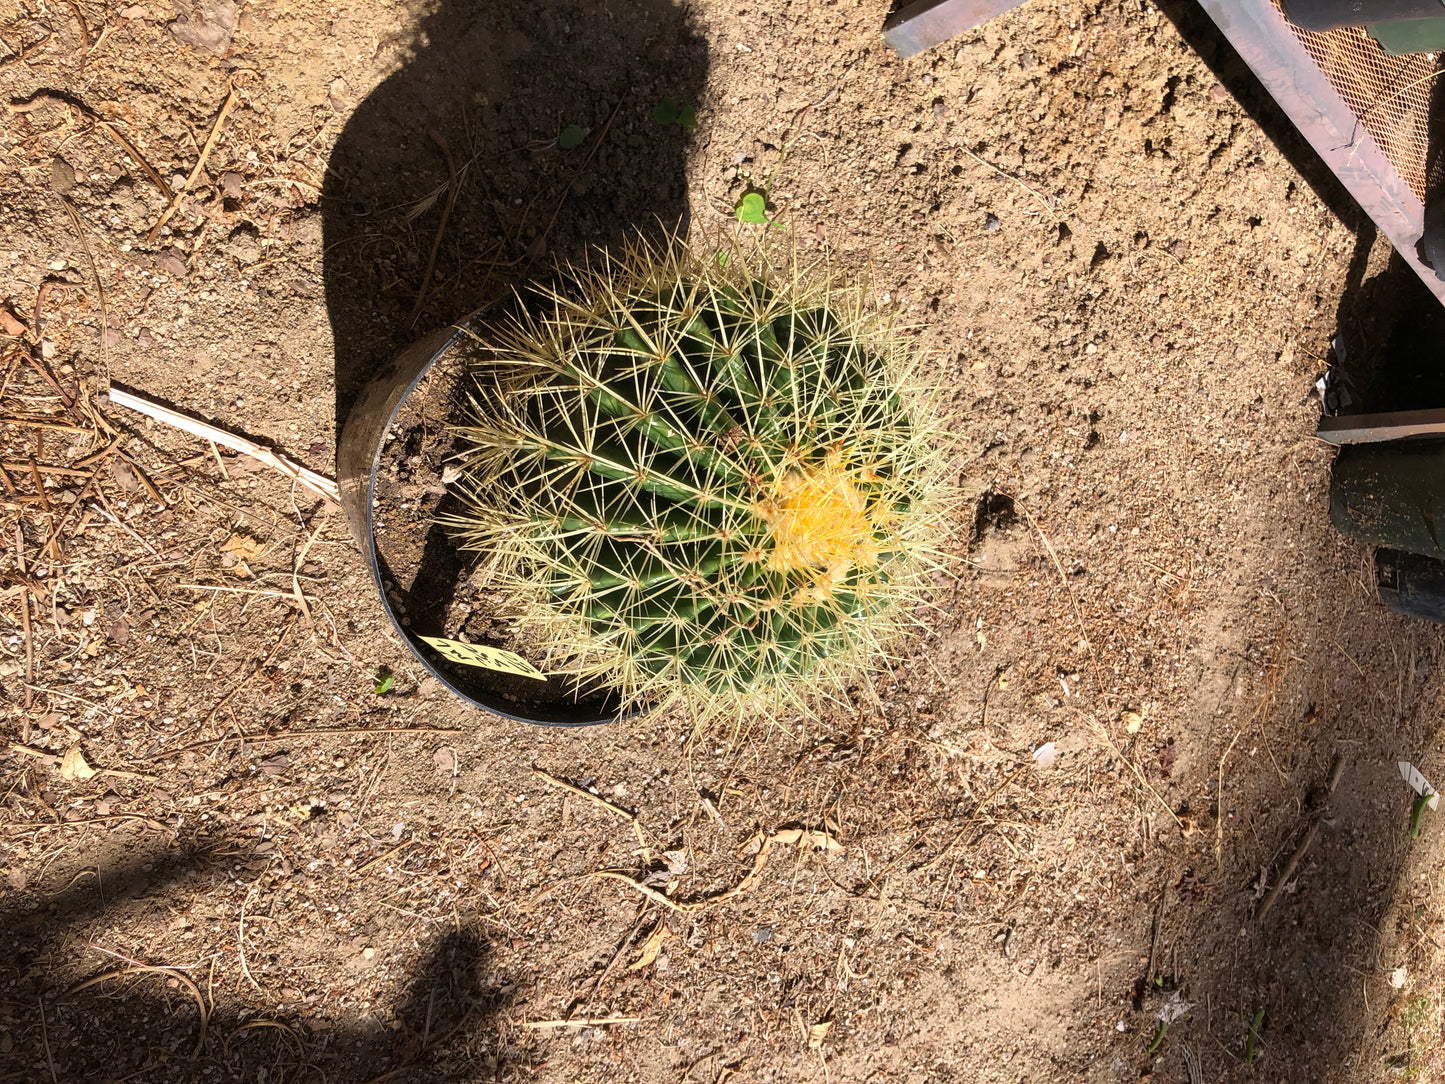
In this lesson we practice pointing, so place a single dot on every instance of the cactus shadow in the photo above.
(449, 184)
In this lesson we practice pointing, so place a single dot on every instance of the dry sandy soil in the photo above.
(283, 874)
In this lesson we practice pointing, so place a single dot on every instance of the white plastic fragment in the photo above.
(1419, 784)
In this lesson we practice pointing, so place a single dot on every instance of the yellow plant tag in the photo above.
(489, 658)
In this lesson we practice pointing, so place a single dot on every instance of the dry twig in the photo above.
(760, 860)
(583, 1022)
(53, 760)
(1337, 769)
(288, 735)
(581, 793)
(453, 190)
(195, 172)
(170, 973)
(319, 483)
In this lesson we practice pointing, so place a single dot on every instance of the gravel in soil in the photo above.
(280, 872)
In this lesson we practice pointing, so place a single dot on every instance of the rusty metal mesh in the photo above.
(1391, 96)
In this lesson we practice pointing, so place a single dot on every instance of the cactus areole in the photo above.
(699, 478)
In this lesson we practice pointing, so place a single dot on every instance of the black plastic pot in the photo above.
(1411, 584)
(357, 461)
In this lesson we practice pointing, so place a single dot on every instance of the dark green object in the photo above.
(1411, 584)
(1159, 1034)
(571, 137)
(1417, 813)
(670, 111)
(1409, 35)
(1252, 1041)
(1391, 494)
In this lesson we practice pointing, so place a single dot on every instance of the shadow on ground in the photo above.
(447, 186)
(450, 184)
(80, 1012)
(1292, 985)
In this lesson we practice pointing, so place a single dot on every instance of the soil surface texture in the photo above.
(231, 849)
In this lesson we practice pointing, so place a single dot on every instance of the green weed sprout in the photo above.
(705, 477)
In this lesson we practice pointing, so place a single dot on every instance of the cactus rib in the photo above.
(705, 476)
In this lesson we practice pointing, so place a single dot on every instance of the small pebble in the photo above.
(990, 222)
(231, 183)
(368, 953)
(62, 175)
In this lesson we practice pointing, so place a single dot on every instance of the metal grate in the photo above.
(1390, 95)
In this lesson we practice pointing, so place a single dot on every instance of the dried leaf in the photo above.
(809, 837)
(1174, 1008)
(123, 475)
(817, 1033)
(651, 947)
(172, 261)
(73, 765)
(243, 546)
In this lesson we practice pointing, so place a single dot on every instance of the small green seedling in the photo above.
(752, 209)
(670, 111)
(1251, 1041)
(1417, 812)
(1159, 1033)
(385, 681)
(571, 137)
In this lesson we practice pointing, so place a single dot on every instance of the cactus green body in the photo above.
(703, 480)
